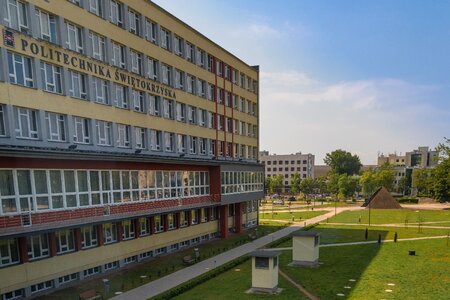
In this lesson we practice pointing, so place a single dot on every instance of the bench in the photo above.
(188, 260)
(89, 295)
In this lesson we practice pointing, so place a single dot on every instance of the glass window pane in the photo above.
(82, 181)
(69, 181)
(55, 181)
(23, 180)
(6, 183)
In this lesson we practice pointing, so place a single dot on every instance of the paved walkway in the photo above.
(366, 242)
(409, 225)
(170, 281)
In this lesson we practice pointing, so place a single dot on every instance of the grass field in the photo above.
(424, 276)
(298, 216)
(391, 216)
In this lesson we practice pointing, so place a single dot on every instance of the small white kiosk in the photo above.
(305, 248)
(264, 272)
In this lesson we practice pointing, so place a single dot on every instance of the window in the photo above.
(144, 226)
(181, 143)
(98, 46)
(9, 252)
(201, 88)
(26, 124)
(169, 141)
(155, 140)
(20, 69)
(116, 13)
(37, 246)
(141, 139)
(95, 7)
(194, 216)
(134, 19)
(158, 224)
(128, 229)
(78, 83)
(202, 143)
(123, 136)
(47, 26)
(74, 38)
(120, 96)
(165, 39)
(171, 221)
(109, 233)
(91, 271)
(190, 52)
(168, 108)
(138, 100)
(118, 55)
(178, 46)
(64, 241)
(136, 62)
(192, 114)
(155, 105)
(103, 133)
(200, 58)
(88, 237)
(41, 286)
(56, 127)
(193, 145)
(166, 74)
(100, 90)
(17, 15)
(51, 78)
(151, 31)
(181, 112)
(82, 130)
(2, 121)
(190, 84)
(152, 68)
(68, 278)
(179, 79)
(209, 91)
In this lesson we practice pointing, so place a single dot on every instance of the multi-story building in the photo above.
(124, 134)
(403, 165)
(287, 165)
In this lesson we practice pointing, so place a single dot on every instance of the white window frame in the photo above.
(51, 78)
(136, 62)
(120, 96)
(123, 136)
(30, 124)
(40, 240)
(134, 22)
(98, 43)
(56, 127)
(141, 137)
(100, 89)
(25, 65)
(103, 132)
(74, 37)
(46, 22)
(16, 16)
(78, 82)
(91, 232)
(116, 13)
(118, 55)
(82, 130)
(151, 31)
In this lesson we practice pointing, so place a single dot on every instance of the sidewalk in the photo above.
(170, 281)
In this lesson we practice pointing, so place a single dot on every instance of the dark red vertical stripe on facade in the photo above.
(217, 108)
(224, 125)
(232, 115)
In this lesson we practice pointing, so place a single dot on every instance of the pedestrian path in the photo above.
(366, 242)
(170, 281)
(412, 225)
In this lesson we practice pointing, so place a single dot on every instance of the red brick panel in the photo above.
(223, 216)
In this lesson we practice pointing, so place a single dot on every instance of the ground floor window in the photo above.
(91, 271)
(68, 278)
(41, 286)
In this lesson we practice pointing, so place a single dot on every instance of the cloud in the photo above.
(361, 116)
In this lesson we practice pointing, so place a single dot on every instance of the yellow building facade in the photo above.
(124, 134)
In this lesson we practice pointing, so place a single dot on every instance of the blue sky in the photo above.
(364, 76)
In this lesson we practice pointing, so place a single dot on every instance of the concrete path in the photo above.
(409, 225)
(366, 242)
(298, 286)
(170, 281)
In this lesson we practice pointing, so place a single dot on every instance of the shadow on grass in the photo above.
(338, 265)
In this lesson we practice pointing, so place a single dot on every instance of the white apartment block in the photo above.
(287, 165)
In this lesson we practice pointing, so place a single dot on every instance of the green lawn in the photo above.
(233, 284)
(391, 216)
(424, 276)
(298, 216)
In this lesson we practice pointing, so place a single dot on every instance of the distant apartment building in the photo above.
(287, 165)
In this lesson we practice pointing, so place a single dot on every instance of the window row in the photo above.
(286, 162)
(241, 181)
(82, 40)
(82, 86)
(38, 246)
(37, 190)
(298, 169)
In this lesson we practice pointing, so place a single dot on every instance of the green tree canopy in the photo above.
(347, 185)
(295, 183)
(277, 183)
(343, 162)
(441, 178)
(268, 184)
(307, 186)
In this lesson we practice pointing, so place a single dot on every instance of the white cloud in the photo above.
(363, 116)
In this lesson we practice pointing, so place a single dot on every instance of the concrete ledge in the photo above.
(307, 264)
(264, 291)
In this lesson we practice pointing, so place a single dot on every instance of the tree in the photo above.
(403, 185)
(268, 185)
(343, 162)
(368, 182)
(277, 183)
(321, 185)
(441, 178)
(333, 183)
(295, 183)
(307, 186)
(385, 176)
(422, 181)
(347, 185)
